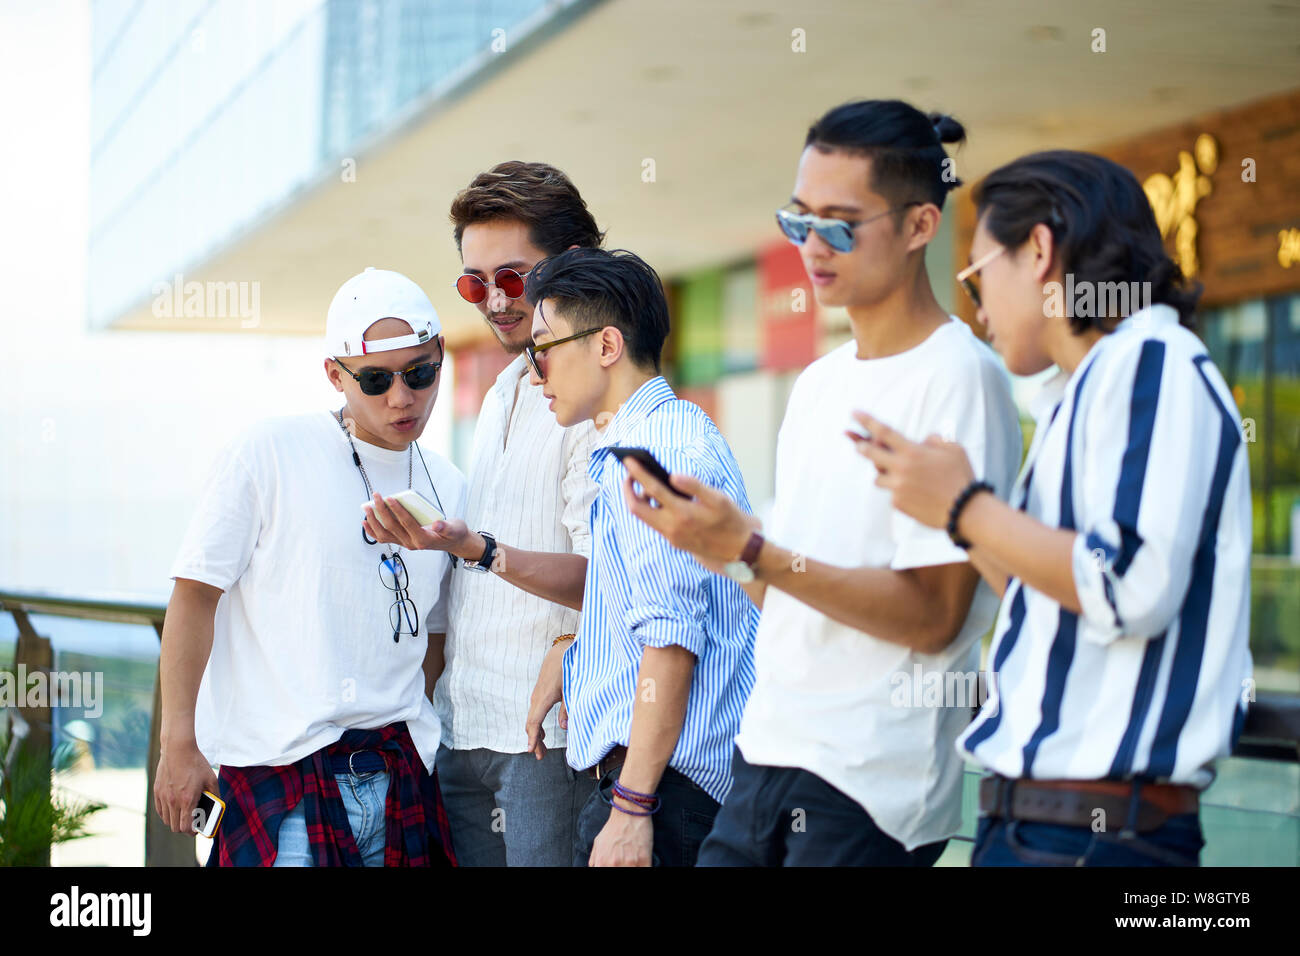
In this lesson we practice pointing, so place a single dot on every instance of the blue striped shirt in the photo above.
(1140, 451)
(642, 592)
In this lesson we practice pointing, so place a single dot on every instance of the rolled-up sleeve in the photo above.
(1151, 445)
(669, 588)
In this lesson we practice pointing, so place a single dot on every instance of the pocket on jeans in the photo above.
(695, 829)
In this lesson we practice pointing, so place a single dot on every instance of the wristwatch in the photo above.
(489, 552)
(742, 569)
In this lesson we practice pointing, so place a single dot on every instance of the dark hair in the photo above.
(1103, 227)
(905, 146)
(536, 194)
(596, 287)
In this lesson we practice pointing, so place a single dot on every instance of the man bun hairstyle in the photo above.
(905, 146)
(1103, 228)
(536, 194)
(596, 287)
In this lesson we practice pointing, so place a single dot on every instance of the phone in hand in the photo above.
(418, 506)
(207, 815)
(649, 463)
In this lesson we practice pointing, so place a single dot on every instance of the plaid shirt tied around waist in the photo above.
(258, 798)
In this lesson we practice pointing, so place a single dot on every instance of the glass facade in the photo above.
(209, 115)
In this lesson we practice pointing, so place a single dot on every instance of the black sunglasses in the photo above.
(377, 381)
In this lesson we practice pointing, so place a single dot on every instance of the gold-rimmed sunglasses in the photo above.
(969, 277)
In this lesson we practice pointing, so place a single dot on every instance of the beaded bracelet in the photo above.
(563, 637)
(957, 506)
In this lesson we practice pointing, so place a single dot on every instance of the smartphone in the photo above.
(418, 506)
(207, 815)
(649, 463)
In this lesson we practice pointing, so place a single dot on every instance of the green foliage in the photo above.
(32, 817)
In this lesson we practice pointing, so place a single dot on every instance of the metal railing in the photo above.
(1271, 731)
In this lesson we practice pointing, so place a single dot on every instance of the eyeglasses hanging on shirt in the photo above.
(403, 615)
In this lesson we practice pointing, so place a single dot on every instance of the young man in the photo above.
(512, 799)
(844, 756)
(658, 675)
(297, 654)
(1122, 654)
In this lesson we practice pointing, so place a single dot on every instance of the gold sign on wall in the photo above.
(1174, 198)
(1288, 247)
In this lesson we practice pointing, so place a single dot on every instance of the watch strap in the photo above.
(753, 546)
(489, 551)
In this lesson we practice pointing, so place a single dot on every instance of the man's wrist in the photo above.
(472, 550)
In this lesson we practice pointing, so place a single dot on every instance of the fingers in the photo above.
(652, 485)
(564, 717)
(388, 515)
(880, 433)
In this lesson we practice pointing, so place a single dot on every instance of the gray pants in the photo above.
(511, 809)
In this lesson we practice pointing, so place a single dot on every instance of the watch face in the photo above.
(738, 571)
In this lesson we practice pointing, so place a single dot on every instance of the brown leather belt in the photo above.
(616, 757)
(1075, 802)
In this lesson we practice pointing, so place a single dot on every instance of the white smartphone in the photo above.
(207, 815)
(418, 506)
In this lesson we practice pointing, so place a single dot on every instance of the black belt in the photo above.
(1075, 803)
(616, 757)
(358, 762)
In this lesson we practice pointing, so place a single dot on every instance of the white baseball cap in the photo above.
(369, 297)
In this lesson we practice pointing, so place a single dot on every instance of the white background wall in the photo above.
(105, 437)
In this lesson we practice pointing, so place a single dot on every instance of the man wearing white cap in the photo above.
(298, 653)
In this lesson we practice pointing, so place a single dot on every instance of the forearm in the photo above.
(1023, 547)
(556, 576)
(658, 713)
(183, 656)
(993, 573)
(890, 605)
(434, 662)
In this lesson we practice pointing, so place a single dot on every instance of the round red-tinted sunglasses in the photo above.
(475, 290)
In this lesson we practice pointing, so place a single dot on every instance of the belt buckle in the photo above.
(362, 775)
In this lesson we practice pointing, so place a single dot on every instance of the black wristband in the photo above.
(489, 551)
(954, 513)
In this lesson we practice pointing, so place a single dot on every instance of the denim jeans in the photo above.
(684, 819)
(511, 809)
(1021, 843)
(786, 816)
(363, 796)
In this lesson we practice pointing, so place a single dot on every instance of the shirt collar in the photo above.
(632, 412)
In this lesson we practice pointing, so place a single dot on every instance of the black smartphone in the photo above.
(649, 463)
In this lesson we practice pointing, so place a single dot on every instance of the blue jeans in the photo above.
(786, 816)
(1020, 843)
(684, 819)
(511, 809)
(363, 796)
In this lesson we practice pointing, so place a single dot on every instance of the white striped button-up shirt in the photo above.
(642, 592)
(529, 488)
(1140, 451)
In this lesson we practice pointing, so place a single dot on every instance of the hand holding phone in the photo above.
(418, 506)
(650, 464)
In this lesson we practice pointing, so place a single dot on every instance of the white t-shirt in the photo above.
(302, 648)
(833, 700)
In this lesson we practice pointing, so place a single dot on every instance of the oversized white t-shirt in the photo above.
(302, 647)
(833, 700)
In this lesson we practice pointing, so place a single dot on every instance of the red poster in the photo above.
(787, 312)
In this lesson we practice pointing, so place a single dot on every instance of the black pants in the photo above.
(685, 816)
(784, 816)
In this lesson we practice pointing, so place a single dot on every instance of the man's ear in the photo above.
(923, 225)
(334, 374)
(574, 246)
(611, 345)
(1043, 244)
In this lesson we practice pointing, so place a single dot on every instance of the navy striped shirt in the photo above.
(642, 592)
(1143, 456)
